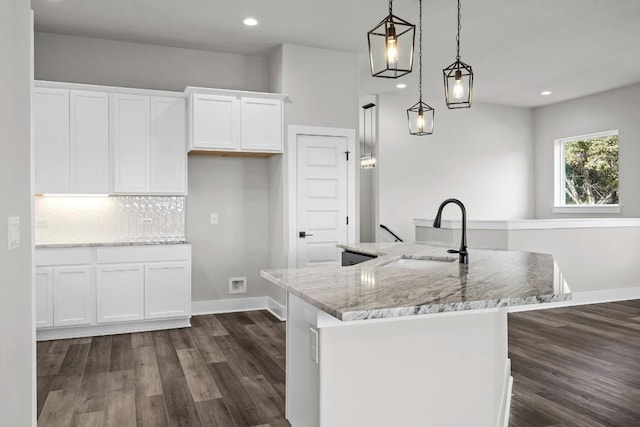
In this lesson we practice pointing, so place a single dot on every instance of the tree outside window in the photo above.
(587, 170)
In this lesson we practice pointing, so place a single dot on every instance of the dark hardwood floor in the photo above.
(577, 366)
(226, 370)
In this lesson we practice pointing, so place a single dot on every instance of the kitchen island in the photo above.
(410, 338)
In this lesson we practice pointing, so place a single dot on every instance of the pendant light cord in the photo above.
(390, 7)
(420, 57)
(458, 36)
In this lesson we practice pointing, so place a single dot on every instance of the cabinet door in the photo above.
(131, 142)
(72, 296)
(89, 142)
(216, 122)
(51, 140)
(120, 292)
(168, 146)
(261, 128)
(44, 297)
(167, 289)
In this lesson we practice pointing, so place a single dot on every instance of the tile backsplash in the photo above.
(82, 219)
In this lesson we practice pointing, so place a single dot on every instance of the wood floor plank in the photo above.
(206, 344)
(150, 411)
(51, 360)
(217, 330)
(141, 339)
(121, 353)
(58, 409)
(266, 398)
(180, 407)
(88, 419)
(70, 372)
(236, 357)
(120, 408)
(146, 374)
(181, 338)
(200, 381)
(93, 386)
(44, 383)
(243, 410)
(214, 413)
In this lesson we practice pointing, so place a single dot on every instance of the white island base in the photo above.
(448, 369)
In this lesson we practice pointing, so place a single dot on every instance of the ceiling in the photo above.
(517, 48)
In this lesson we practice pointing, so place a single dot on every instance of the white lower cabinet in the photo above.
(72, 296)
(112, 289)
(120, 292)
(167, 289)
(44, 297)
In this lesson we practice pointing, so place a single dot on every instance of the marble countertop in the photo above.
(383, 287)
(107, 244)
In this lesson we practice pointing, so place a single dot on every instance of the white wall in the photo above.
(482, 156)
(115, 63)
(615, 109)
(237, 189)
(17, 331)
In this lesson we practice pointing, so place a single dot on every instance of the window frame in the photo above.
(559, 205)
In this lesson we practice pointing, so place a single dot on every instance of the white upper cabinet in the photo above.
(51, 140)
(168, 145)
(89, 142)
(261, 125)
(232, 121)
(216, 122)
(131, 138)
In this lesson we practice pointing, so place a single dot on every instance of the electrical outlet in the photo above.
(214, 219)
(237, 285)
(42, 222)
(147, 221)
(313, 344)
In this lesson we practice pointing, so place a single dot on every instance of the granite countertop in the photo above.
(383, 287)
(107, 244)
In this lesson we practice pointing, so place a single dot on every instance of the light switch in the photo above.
(14, 232)
(214, 219)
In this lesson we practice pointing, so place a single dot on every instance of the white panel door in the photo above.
(120, 292)
(167, 289)
(51, 140)
(322, 199)
(131, 137)
(72, 296)
(168, 146)
(216, 122)
(89, 142)
(44, 297)
(261, 125)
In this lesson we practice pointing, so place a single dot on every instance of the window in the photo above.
(586, 174)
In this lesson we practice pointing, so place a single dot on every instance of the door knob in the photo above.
(304, 234)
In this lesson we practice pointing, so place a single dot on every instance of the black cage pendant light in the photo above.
(420, 115)
(458, 78)
(391, 46)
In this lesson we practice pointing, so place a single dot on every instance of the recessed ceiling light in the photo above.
(251, 22)
(401, 85)
(545, 93)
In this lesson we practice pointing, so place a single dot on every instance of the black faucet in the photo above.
(464, 254)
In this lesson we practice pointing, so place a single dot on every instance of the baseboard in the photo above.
(583, 298)
(110, 329)
(239, 304)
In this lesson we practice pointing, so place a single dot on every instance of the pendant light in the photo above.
(391, 46)
(367, 159)
(458, 78)
(420, 115)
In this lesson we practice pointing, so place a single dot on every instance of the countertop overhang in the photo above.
(493, 278)
(108, 244)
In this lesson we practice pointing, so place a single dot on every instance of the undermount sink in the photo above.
(419, 264)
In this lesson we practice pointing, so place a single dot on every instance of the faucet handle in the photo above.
(452, 251)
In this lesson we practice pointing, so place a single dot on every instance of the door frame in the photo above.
(353, 229)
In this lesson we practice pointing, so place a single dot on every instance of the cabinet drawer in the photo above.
(147, 253)
(62, 256)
